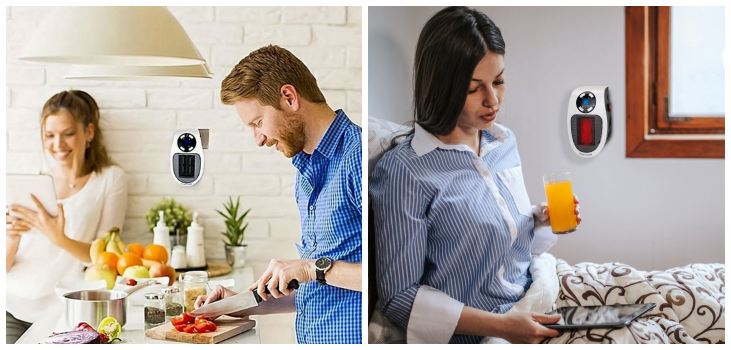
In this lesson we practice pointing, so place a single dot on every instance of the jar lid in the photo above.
(171, 290)
(195, 276)
(154, 296)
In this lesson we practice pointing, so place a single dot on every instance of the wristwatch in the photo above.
(322, 265)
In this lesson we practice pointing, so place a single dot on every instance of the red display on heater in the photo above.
(586, 131)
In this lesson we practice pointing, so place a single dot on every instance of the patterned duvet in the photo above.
(691, 302)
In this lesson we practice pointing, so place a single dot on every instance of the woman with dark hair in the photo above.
(92, 193)
(453, 222)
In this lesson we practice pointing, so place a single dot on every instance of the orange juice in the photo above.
(560, 198)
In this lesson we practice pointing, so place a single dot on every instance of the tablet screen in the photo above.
(601, 315)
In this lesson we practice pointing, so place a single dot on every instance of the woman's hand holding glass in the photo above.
(52, 227)
(545, 219)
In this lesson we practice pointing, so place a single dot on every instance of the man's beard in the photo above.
(291, 138)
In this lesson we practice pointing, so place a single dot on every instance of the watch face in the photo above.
(322, 263)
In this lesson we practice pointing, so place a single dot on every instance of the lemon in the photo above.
(110, 327)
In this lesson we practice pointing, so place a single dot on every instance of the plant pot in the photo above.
(236, 255)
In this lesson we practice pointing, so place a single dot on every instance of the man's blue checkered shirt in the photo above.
(328, 192)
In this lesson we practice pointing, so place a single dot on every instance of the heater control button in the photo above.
(609, 107)
(585, 102)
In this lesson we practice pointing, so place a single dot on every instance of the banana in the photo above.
(120, 244)
(112, 246)
(97, 247)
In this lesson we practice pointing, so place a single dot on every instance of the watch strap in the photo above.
(320, 274)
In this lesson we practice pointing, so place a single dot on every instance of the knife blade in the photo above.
(238, 302)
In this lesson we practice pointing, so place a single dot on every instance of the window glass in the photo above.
(696, 63)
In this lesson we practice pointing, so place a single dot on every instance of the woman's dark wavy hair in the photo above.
(450, 46)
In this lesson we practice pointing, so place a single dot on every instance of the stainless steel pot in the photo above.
(92, 306)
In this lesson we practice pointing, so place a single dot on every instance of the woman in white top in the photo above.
(92, 198)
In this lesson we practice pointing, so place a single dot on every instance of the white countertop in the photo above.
(133, 332)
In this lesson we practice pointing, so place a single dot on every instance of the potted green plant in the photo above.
(234, 234)
(174, 213)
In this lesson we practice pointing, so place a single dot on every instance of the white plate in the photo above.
(226, 283)
(64, 287)
(138, 298)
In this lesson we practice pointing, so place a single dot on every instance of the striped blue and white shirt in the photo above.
(328, 190)
(452, 229)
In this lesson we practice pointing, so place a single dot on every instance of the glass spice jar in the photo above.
(173, 302)
(195, 283)
(154, 310)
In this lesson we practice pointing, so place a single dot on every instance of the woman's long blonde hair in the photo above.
(83, 109)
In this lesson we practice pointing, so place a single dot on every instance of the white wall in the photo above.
(139, 118)
(649, 213)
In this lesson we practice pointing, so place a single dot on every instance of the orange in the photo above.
(156, 252)
(136, 248)
(106, 258)
(127, 260)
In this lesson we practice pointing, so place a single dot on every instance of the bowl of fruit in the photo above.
(122, 266)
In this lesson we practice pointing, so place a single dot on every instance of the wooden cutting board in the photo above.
(227, 328)
(213, 268)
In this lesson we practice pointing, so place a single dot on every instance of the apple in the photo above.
(149, 263)
(136, 272)
(162, 271)
(103, 272)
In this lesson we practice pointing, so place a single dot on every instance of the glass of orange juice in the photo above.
(560, 199)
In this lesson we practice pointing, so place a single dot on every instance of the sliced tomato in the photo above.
(212, 326)
(201, 327)
(188, 318)
(180, 327)
(177, 320)
(190, 329)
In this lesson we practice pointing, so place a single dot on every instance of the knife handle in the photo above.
(293, 284)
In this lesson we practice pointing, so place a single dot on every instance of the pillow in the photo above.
(380, 133)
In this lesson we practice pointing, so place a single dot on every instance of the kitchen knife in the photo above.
(238, 302)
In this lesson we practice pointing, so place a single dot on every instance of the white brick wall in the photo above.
(139, 117)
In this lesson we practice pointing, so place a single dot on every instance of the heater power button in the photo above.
(609, 108)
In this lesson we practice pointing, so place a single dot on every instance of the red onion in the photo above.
(74, 337)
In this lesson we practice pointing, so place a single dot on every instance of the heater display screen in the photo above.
(186, 165)
(586, 131)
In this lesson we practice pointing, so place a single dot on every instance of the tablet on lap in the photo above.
(600, 316)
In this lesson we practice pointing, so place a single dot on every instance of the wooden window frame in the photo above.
(649, 132)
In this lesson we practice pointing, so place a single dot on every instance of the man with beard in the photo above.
(278, 98)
